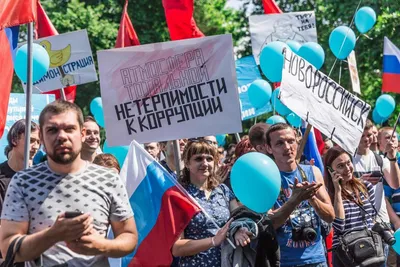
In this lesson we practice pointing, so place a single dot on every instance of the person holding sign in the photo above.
(199, 244)
(373, 168)
(301, 205)
(64, 207)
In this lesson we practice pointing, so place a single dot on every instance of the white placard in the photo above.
(321, 101)
(295, 26)
(71, 61)
(355, 81)
(171, 90)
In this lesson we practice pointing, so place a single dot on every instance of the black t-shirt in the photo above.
(6, 173)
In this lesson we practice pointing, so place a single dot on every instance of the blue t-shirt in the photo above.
(298, 252)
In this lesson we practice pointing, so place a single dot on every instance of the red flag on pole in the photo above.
(270, 7)
(126, 33)
(16, 12)
(44, 28)
(180, 21)
(12, 14)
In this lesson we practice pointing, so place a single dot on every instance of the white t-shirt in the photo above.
(364, 164)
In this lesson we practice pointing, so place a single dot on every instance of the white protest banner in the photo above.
(171, 90)
(71, 61)
(295, 26)
(355, 81)
(319, 100)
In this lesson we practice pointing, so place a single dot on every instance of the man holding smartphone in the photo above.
(374, 168)
(41, 201)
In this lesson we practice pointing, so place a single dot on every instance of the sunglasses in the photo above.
(198, 140)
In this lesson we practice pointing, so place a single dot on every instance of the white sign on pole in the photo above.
(171, 90)
(355, 81)
(71, 61)
(294, 26)
(322, 102)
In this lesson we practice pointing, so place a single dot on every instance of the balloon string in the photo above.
(344, 40)
(340, 71)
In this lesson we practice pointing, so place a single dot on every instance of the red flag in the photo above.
(270, 7)
(16, 12)
(8, 47)
(44, 28)
(126, 33)
(180, 21)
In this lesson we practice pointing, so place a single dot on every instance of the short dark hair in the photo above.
(59, 107)
(89, 118)
(15, 132)
(257, 134)
(276, 127)
(107, 160)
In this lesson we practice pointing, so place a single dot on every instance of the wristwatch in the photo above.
(393, 159)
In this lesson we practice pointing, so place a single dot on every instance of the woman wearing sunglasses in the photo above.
(199, 244)
(353, 200)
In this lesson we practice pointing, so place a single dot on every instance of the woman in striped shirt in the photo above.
(347, 194)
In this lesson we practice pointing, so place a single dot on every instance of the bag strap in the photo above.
(302, 173)
(379, 160)
(12, 251)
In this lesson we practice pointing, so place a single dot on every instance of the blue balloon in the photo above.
(221, 139)
(256, 181)
(278, 105)
(294, 46)
(342, 41)
(271, 60)
(259, 93)
(385, 105)
(119, 152)
(294, 120)
(365, 19)
(377, 118)
(396, 246)
(40, 66)
(96, 108)
(95, 105)
(313, 53)
(275, 119)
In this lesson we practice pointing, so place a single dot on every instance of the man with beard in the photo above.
(63, 207)
(92, 139)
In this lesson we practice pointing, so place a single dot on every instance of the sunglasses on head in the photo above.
(198, 140)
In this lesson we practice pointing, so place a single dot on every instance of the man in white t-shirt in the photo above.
(366, 167)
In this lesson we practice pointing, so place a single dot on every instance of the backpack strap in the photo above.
(379, 160)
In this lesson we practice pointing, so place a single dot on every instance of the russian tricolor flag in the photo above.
(162, 209)
(391, 67)
(311, 149)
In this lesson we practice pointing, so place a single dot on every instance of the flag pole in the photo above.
(62, 93)
(28, 96)
(177, 158)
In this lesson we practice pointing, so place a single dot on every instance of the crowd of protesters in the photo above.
(41, 206)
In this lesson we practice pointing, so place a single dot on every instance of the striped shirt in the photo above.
(353, 215)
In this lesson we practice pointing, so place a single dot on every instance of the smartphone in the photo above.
(331, 172)
(72, 214)
(376, 174)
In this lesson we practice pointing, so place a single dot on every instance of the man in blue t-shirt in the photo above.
(303, 201)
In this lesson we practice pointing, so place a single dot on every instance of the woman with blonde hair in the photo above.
(199, 244)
